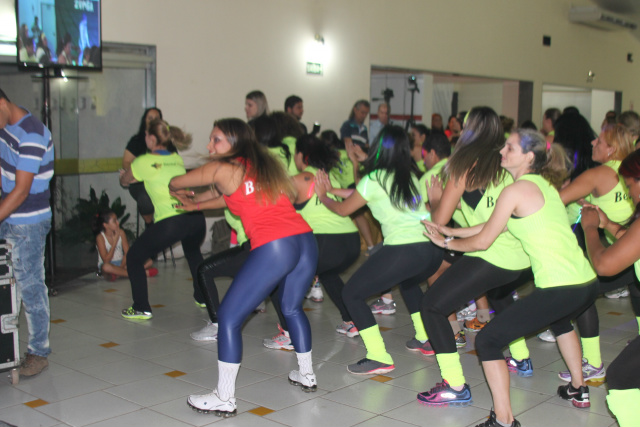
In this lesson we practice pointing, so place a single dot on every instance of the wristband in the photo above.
(446, 242)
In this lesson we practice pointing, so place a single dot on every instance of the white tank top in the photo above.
(118, 254)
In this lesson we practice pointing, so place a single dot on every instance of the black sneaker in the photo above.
(369, 367)
(492, 422)
(578, 396)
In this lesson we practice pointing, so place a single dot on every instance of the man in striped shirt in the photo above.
(26, 164)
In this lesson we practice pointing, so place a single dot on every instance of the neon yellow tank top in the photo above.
(289, 165)
(235, 223)
(506, 252)
(322, 220)
(556, 258)
(343, 171)
(616, 203)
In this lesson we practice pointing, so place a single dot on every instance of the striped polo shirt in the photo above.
(27, 146)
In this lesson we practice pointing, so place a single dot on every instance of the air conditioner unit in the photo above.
(597, 18)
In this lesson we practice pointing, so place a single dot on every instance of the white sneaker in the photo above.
(618, 293)
(307, 382)
(547, 336)
(280, 341)
(315, 293)
(467, 313)
(207, 333)
(211, 403)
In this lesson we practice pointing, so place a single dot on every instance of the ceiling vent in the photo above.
(597, 18)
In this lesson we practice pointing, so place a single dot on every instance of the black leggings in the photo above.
(408, 265)
(588, 322)
(555, 306)
(223, 264)
(624, 372)
(336, 253)
(188, 228)
(463, 281)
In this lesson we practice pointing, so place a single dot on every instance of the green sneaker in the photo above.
(130, 313)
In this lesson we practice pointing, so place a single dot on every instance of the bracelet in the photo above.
(446, 242)
(198, 206)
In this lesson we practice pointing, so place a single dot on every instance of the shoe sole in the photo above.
(349, 334)
(598, 380)
(205, 338)
(461, 345)
(546, 340)
(457, 404)
(579, 404)
(305, 388)
(424, 352)
(279, 347)
(525, 374)
(385, 312)
(377, 371)
(223, 414)
(32, 375)
(137, 317)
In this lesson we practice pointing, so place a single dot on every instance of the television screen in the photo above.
(59, 34)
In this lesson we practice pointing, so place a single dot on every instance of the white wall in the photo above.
(211, 53)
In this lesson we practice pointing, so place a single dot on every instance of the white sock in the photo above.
(484, 315)
(304, 363)
(387, 300)
(227, 373)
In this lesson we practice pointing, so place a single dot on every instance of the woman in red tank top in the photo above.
(244, 177)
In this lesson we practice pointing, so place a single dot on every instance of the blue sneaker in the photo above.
(443, 395)
(524, 368)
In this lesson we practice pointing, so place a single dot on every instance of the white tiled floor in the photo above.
(106, 371)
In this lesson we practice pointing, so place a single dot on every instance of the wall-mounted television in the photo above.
(59, 34)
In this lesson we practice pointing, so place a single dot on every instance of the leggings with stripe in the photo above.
(407, 265)
(289, 264)
(555, 306)
(463, 281)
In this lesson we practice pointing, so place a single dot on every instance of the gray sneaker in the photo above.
(208, 333)
(425, 348)
(369, 367)
(379, 307)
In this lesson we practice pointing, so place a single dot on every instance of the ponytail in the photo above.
(171, 137)
(549, 160)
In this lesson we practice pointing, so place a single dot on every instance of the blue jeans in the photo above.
(27, 255)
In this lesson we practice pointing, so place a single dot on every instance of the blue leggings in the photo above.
(289, 263)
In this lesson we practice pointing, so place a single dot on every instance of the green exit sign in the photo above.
(314, 68)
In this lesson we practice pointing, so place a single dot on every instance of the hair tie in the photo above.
(548, 145)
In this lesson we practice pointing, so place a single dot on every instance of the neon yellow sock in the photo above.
(624, 405)
(638, 321)
(519, 349)
(591, 351)
(421, 334)
(375, 345)
(451, 369)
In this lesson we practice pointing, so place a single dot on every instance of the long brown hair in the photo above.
(270, 177)
(477, 152)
